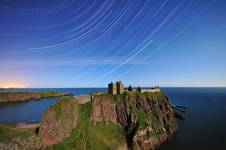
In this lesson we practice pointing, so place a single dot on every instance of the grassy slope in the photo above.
(8, 132)
(92, 136)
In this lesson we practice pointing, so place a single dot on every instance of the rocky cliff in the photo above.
(58, 121)
(147, 118)
(67, 125)
(131, 120)
(24, 96)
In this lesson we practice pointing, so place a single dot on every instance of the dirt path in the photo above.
(25, 125)
(83, 98)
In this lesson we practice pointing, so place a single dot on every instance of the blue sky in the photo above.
(84, 43)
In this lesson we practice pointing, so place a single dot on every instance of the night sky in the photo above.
(88, 43)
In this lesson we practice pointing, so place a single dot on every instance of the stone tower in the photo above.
(112, 88)
(120, 87)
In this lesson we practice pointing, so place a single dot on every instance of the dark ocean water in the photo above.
(204, 127)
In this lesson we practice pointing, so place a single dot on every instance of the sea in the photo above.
(204, 126)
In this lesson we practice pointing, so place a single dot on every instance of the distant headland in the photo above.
(25, 96)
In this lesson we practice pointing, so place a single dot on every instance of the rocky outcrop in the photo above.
(147, 118)
(103, 109)
(25, 96)
(58, 121)
(132, 120)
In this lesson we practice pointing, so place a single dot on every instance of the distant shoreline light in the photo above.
(12, 86)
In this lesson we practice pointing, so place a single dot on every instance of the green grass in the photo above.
(118, 97)
(142, 118)
(56, 105)
(90, 136)
(100, 92)
(7, 132)
(154, 94)
(46, 92)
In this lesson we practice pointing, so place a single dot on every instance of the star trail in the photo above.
(73, 43)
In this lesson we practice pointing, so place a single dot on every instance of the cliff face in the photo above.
(58, 121)
(131, 120)
(147, 118)
(24, 96)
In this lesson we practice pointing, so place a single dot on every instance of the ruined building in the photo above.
(120, 87)
(115, 88)
(112, 88)
(153, 89)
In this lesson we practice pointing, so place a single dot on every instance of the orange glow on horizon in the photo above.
(8, 87)
(12, 85)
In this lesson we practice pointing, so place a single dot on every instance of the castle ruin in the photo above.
(115, 88)
(154, 89)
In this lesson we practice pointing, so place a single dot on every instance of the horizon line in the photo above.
(106, 87)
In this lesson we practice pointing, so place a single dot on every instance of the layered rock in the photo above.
(103, 109)
(58, 121)
(147, 118)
